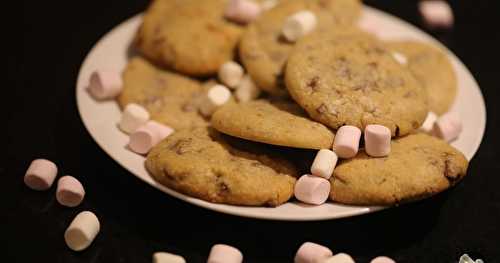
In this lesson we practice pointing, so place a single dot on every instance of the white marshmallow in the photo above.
(447, 127)
(164, 257)
(299, 25)
(429, 122)
(246, 90)
(217, 96)
(339, 258)
(346, 142)
(312, 253)
(377, 140)
(147, 136)
(312, 189)
(324, 163)
(436, 14)
(382, 259)
(231, 74)
(242, 11)
(466, 259)
(133, 116)
(221, 253)
(268, 4)
(40, 174)
(82, 231)
(105, 84)
(69, 191)
(400, 58)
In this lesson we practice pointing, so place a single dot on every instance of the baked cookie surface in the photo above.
(418, 167)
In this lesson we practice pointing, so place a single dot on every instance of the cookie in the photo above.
(264, 51)
(206, 164)
(189, 36)
(351, 79)
(432, 68)
(418, 167)
(277, 123)
(170, 98)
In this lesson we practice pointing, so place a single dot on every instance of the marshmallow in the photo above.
(339, 258)
(377, 140)
(298, 25)
(447, 127)
(217, 96)
(246, 90)
(382, 259)
(147, 136)
(164, 257)
(242, 11)
(40, 174)
(312, 253)
(400, 58)
(346, 142)
(324, 163)
(224, 254)
(231, 73)
(133, 117)
(436, 14)
(429, 122)
(312, 189)
(82, 231)
(105, 84)
(466, 259)
(268, 4)
(70, 191)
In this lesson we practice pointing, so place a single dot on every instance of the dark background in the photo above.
(137, 220)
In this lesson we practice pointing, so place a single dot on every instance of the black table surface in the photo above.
(136, 220)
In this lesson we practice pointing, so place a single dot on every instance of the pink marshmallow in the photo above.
(70, 191)
(242, 11)
(312, 253)
(105, 85)
(436, 14)
(346, 142)
(221, 253)
(377, 140)
(312, 189)
(382, 259)
(40, 174)
(447, 127)
(147, 136)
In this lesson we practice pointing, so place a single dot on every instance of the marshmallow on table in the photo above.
(221, 253)
(312, 253)
(40, 174)
(147, 136)
(82, 231)
(231, 74)
(70, 191)
(164, 257)
(246, 90)
(339, 258)
(400, 58)
(268, 4)
(382, 259)
(133, 117)
(429, 122)
(105, 84)
(436, 14)
(217, 96)
(324, 163)
(312, 189)
(377, 140)
(447, 127)
(298, 25)
(346, 142)
(242, 11)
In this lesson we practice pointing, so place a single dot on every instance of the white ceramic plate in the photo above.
(100, 118)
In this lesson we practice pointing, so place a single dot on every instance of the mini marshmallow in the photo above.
(217, 96)
(324, 163)
(377, 140)
(447, 127)
(246, 90)
(82, 231)
(429, 122)
(312, 189)
(147, 136)
(231, 74)
(436, 14)
(133, 116)
(164, 257)
(268, 4)
(242, 11)
(221, 253)
(312, 253)
(40, 174)
(400, 58)
(339, 258)
(382, 259)
(70, 191)
(105, 84)
(465, 259)
(346, 142)
(299, 25)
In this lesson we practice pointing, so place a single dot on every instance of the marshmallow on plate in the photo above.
(346, 142)
(447, 127)
(436, 13)
(133, 117)
(105, 84)
(312, 189)
(429, 122)
(164, 257)
(339, 258)
(246, 90)
(221, 253)
(299, 25)
(242, 11)
(40, 174)
(82, 231)
(216, 96)
(69, 191)
(382, 259)
(377, 140)
(231, 74)
(268, 4)
(400, 58)
(312, 253)
(324, 163)
(147, 136)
